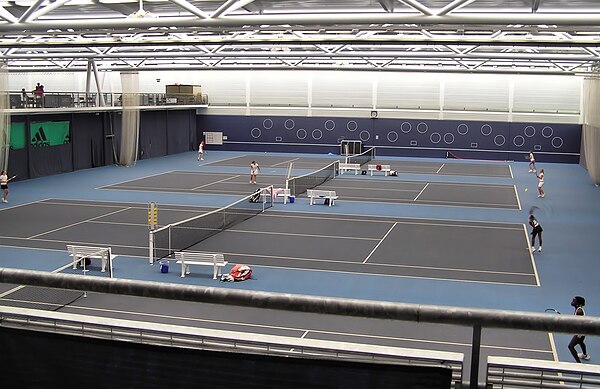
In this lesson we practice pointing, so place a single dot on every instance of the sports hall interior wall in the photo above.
(92, 139)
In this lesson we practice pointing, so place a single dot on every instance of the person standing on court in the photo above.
(4, 185)
(536, 230)
(531, 162)
(254, 169)
(540, 177)
(201, 151)
(578, 303)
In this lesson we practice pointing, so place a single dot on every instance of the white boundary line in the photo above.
(379, 243)
(535, 272)
(422, 190)
(217, 182)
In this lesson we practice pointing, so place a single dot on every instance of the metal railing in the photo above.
(470, 317)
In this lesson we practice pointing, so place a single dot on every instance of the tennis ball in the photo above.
(526, 189)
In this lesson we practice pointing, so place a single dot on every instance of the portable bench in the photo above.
(344, 167)
(80, 253)
(384, 168)
(321, 194)
(187, 258)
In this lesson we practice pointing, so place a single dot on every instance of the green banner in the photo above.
(45, 134)
(17, 136)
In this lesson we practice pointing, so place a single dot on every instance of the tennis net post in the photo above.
(165, 241)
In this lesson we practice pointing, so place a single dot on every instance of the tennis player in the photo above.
(201, 151)
(578, 303)
(4, 185)
(540, 177)
(254, 169)
(536, 230)
(531, 162)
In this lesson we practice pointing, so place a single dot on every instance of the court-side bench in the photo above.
(384, 168)
(80, 253)
(321, 194)
(187, 258)
(344, 167)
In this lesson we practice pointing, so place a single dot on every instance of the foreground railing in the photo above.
(219, 340)
(474, 318)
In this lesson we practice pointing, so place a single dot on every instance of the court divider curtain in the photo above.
(130, 121)
(4, 117)
(590, 137)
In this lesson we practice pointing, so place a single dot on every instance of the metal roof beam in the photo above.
(4, 14)
(456, 4)
(46, 9)
(191, 8)
(418, 6)
(498, 19)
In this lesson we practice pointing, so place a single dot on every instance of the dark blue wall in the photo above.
(399, 137)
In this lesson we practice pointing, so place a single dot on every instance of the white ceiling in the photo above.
(511, 36)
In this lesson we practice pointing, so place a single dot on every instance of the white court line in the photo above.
(291, 329)
(65, 242)
(118, 204)
(22, 205)
(218, 181)
(22, 286)
(299, 234)
(382, 265)
(517, 196)
(284, 162)
(535, 272)
(422, 190)
(451, 223)
(441, 167)
(379, 243)
(74, 224)
(511, 172)
(108, 186)
(553, 346)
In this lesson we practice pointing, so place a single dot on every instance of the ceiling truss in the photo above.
(400, 35)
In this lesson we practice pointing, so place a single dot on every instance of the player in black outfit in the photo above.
(536, 230)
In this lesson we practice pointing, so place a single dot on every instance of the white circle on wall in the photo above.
(557, 142)
(364, 135)
(529, 131)
(392, 136)
(499, 140)
(352, 125)
(267, 124)
(449, 138)
(547, 132)
(422, 128)
(462, 129)
(518, 141)
(329, 125)
(486, 130)
(255, 132)
(317, 134)
(435, 137)
(301, 133)
(405, 127)
(289, 124)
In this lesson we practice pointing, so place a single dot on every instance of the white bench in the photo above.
(281, 192)
(80, 253)
(187, 258)
(321, 194)
(384, 168)
(344, 167)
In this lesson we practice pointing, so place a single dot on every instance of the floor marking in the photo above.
(134, 179)
(510, 171)
(23, 286)
(379, 243)
(77, 223)
(287, 161)
(218, 181)
(305, 332)
(441, 167)
(529, 248)
(422, 190)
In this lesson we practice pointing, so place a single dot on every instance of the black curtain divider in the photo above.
(153, 134)
(45, 161)
(87, 140)
(181, 128)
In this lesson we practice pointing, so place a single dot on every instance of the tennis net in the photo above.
(363, 157)
(181, 235)
(300, 184)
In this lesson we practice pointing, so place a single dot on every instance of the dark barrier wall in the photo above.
(43, 360)
(400, 137)
(43, 145)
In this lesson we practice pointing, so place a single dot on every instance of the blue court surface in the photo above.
(464, 244)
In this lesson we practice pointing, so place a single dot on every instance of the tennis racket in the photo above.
(552, 310)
